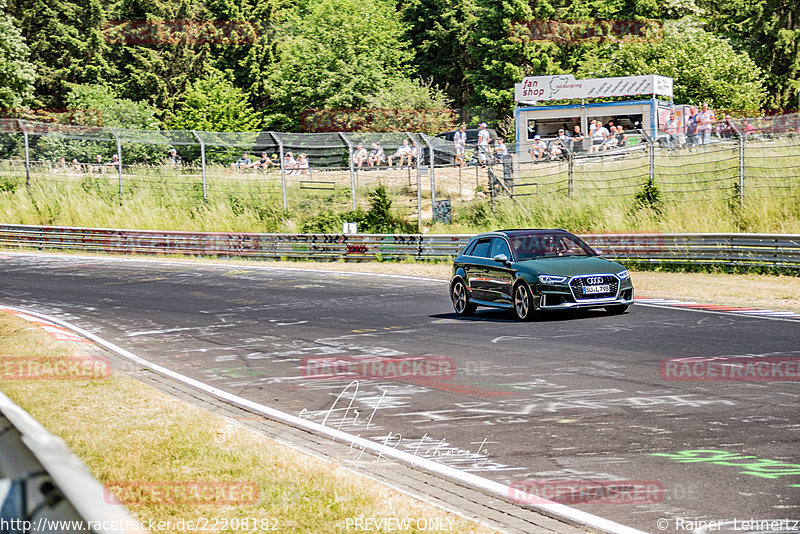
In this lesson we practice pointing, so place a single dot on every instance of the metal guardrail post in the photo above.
(283, 171)
(202, 163)
(119, 161)
(352, 170)
(27, 155)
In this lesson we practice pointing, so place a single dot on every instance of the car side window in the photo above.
(482, 248)
(500, 246)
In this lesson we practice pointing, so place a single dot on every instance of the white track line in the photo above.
(551, 508)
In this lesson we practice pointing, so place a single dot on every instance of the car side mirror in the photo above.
(501, 258)
(598, 252)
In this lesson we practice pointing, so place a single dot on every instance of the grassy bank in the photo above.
(695, 191)
(131, 435)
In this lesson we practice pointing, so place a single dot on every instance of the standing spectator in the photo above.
(359, 156)
(599, 135)
(704, 123)
(376, 155)
(576, 142)
(174, 159)
(403, 152)
(691, 127)
(483, 143)
(671, 129)
(460, 143)
(538, 149)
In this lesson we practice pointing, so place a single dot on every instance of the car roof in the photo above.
(525, 231)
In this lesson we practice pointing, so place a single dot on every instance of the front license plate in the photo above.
(587, 290)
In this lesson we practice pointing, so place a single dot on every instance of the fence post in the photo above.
(430, 165)
(741, 164)
(570, 170)
(119, 161)
(652, 149)
(202, 162)
(350, 164)
(27, 155)
(283, 171)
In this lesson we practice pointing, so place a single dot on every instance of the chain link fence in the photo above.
(743, 158)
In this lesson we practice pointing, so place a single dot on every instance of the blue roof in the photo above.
(592, 105)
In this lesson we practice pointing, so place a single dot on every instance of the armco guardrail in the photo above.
(780, 250)
(46, 488)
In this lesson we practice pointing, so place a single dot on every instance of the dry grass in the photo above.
(127, 432)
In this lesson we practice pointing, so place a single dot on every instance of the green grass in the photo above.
(698, 192)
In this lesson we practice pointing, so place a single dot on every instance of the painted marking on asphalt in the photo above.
(718, 308)
(496, 488)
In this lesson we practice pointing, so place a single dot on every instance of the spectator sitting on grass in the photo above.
(174, 159)
(98, 165)
(359, 156)
(262, 163)
(75, 165)
(538, 148)
(302, 164)
(243, 162)
(114, 161)
(403, 152)
(289, 163)
(376, 156)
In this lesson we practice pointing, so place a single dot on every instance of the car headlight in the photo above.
(550, 279)
(623, 275)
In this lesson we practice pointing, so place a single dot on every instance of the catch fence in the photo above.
(750, 158)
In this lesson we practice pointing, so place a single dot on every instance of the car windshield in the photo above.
(538, 245)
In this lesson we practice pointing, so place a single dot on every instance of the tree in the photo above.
(113, 110)
(66, 45)
(213, 104)
(705, 67)
(157, 61)
(439, 32)
(770, 31)
(17, 74)
(332, 54)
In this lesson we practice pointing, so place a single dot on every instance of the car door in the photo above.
(500, 276)
(477, 269)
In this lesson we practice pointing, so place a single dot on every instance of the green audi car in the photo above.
(534, 270)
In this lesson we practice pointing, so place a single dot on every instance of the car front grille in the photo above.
(579, 282)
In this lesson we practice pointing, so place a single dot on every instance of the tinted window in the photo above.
(555, 244)
(481, 249)
(500, 246)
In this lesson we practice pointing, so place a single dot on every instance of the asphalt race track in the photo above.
(574, 398)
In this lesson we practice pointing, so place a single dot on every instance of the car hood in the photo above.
(570, 266)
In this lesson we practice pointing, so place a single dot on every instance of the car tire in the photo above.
(616, 310)
(460, 297)
(523, 302)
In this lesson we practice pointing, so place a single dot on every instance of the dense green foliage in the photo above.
(338, 54)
